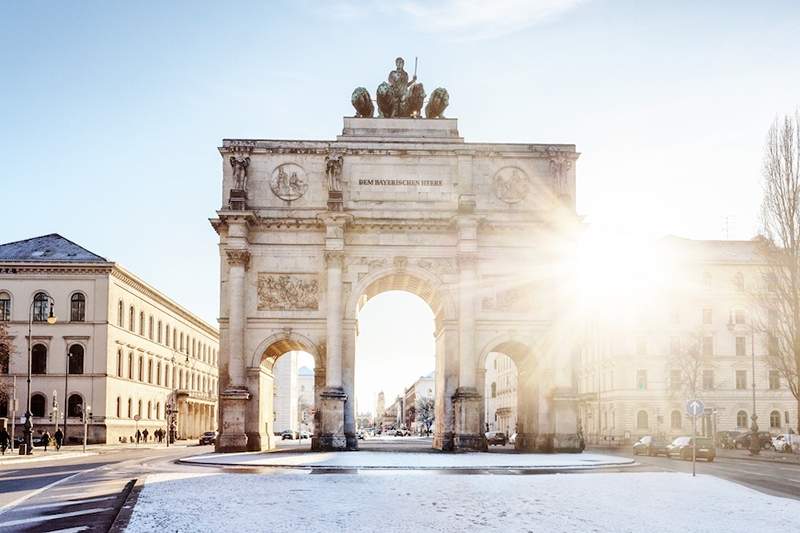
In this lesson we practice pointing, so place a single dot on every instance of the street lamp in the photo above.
(172, 409)
(755, 442)
(40, 301)
(66, 392)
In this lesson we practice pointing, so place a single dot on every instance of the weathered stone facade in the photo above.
(472, 228)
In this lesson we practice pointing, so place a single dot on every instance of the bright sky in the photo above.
(110, 113)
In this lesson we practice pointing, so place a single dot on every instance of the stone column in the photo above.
(333, 398)
(348, 383)
(233, 400)
(319, 386)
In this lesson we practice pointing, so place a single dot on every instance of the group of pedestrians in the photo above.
(47, 439)
(142, 436)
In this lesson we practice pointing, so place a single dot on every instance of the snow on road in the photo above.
(410, 460)
(419, 501)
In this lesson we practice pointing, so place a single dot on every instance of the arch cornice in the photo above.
(290, 339)
(497, 341)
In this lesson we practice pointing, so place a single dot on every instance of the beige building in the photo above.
(636, 370)
(501, 394)
(124, 349)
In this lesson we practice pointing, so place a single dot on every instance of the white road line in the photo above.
(33, 519)
(64, 503)
(793, 480)
(69, 530)
(31, 494)
(31, 476)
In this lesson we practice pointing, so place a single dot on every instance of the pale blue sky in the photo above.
(111, 112)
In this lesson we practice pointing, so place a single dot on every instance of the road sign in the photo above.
(695, 407)
(137, 417)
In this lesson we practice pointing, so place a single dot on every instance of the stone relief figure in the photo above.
(397, 97)
(437, 103)
(288, 182)
(333, 170)
(286, 292)
(239, 166)
(511, 185)
(559, 167)
(362, 102)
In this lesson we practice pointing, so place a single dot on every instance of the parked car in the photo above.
(496, 438)
(289, 435)
(38, 440)
(512, 439)
(742, 442)
(727, 439)
(305, 435)
(402, 433)
(650, 445)
(682, 447)
(786, 442)
(209, 437)
(361, 434)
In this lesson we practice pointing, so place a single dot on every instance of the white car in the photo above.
(513, 438)
(786, 442)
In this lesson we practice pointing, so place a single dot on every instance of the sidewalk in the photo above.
(765, 456)
(75, 451)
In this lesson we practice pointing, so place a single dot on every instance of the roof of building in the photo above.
(305, 371)
(48, 248)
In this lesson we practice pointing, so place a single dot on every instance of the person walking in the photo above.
(138, 436)
(145, 434)
(59, 436)
(5, 438)
(46, 440)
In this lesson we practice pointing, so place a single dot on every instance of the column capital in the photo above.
(238, 257)
(334, 258)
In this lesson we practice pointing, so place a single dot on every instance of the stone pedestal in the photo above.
(232, 436)
(331, 435)
(335, 200)
(468, 432)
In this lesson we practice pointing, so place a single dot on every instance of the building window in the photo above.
(741, 379)
(40, 307)
(75, 359)
(149, 410)
(75, 406)
(167, 339)
(131, 319)
(139, 411)
(39, 359)
(174, 339)
(120, 314)
(772, 345)
(119, 407)
(158, 374)
(150, 328)
(77, 308)
(675, 379)
(675, 419)
(774, 379)
(738, 281)
(38, 402)
(130, 365)
(158, 410)
(150, 371)
(130, 408)
(708, 379)
(741, 419)
(5, 307)
(181, 348)
(141, 368)
(738, 316)
(160, 337)
(641, 420)
(707, 279)
(641, 379)
(707, 316)
(741, 348)
(774, 420)
(5, 358)
(494, 390)
(119, 363)
(4, 408)
(770, 281)
(708, 346)
(141, 323)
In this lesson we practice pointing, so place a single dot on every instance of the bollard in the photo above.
(23, 449)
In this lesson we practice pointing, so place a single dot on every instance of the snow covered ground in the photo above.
(410, 460)
(421, 501)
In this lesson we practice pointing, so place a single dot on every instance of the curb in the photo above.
(40, 458)
(759, 459)
(125, 511)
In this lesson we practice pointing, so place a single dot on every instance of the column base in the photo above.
(444, 442)
(331, 435)
(232, 436)
(469, 435)
(549, 442)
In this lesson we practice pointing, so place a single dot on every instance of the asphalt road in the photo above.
(778, 479)
(81, 494)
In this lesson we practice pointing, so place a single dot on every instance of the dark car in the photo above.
(38, 440)
(742, 442)
(496, 438)
(209, 437)
(682, 447)
(650, 445)
(727, 439)
(289, 435)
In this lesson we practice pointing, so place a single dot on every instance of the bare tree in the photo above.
(425, 413)
(5, 358)
(780, 304)
(687, 359)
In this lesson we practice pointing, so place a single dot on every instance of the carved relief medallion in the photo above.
(289, 182)
(287, 292)
(511, 184)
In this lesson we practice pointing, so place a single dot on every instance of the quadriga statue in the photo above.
(362, 102)
(437, 103)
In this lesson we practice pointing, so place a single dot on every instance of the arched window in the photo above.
(120, 314)
(194, 348)
(132, 319)
(181, 349)
(741, 419)
(5, 307)
(775, 420)
(180, 380)
(130, 408)
(39, 359)
(149, 410)
(130, 365)
(75, 359)
(5, 358)
(166, 375)
(38, 402)
(158, 373)
(174, 339)
(675, 420)
(77, 307)
(738, 281)
(141, 368)
(150, 328)
(41, 307)
(167, 339)
(158, 410)
(160, 336)
(119, 407)
(494, 389)
(641, 420)
(75, 406)
(119, 363)
(141, 323)
(139, 411)
(150, 371)
(4, 407)
(191, 387)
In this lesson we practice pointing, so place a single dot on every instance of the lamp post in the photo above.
(755, 443)
(51, 319)
(173, 409)
(66, 392)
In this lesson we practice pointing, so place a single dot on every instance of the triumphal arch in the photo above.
(310, 230)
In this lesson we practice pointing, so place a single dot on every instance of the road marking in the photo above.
(70, 529)
(21, 499)
(65, 503)
(793, 480)
(31, 476)
(54, 516)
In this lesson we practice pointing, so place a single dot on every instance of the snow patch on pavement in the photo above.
(409, 460)
(630, 502)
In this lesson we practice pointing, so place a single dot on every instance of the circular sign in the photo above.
(137, 417)
(695, 407)
(288, 182)
(511, 184)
